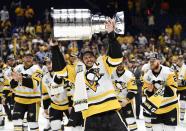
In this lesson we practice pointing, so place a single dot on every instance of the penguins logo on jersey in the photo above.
(158, 84)
(93, 76)
(119, 85)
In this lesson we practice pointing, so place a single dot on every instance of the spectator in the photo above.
(151, 20)
(142, 40)
(30, 30)
(29, 14)
(4, 14)
(183, 44)
(161, 39)
(47, 29)
(37, 40)
(14, 4)
(19, 11)
(41, 54)
(128, 39)
(167, 40)
(6, 25)
(177, 28)
(38, 29)
(169, 31)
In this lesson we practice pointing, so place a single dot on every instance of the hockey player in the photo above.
(45, 98)
(147, 115)
(160, 86)
(182, 85)
(174, 65)
(25, 83)
(2, 67)
(58, 95)
(75, 121)
(8, 101)
(126, 90)
(94, 92)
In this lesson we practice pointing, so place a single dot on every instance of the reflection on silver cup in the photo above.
(80, 24)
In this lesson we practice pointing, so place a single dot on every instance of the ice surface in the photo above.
(42, 122)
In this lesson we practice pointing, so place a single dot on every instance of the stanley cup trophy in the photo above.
(80, 24)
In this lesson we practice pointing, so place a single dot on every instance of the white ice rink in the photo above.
(42, 121)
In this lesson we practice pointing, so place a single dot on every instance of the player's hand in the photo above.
(17, 76)
(52, 42)
(150, 87)
(110, 25)
(69, 109)
(123, 102)
(46, 113)
(20, 77)
(3, 99)
(179, 82)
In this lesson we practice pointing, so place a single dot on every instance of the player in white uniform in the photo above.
(145, 67)
(58, 95)
(2, 67)
(126, 90)
(160, 87)
(147, 116)
(8, 101)
(181, 74)
(94, 93)
(25, 83)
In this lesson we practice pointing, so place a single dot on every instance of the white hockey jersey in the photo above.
(7, 73)
(28, 91)
(164, 97)
(100, 89)
(182, 77)
(2, 78)
(145, 67)
(124, 84)
(57, 93)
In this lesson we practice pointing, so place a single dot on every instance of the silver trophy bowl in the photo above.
(80, 24)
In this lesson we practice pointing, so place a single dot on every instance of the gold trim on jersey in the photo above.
(101, 95)
(181, 88)
(59, 107)
(27, 93)
(26, 100)
(167, 109)
(103, 107)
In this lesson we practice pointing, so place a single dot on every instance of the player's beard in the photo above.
(156, 66)
(120, 68)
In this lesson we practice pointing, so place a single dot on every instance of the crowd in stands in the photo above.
(21, 32)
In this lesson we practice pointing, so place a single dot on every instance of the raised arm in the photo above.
(114, 47)
(58, 61)
(114, 50)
